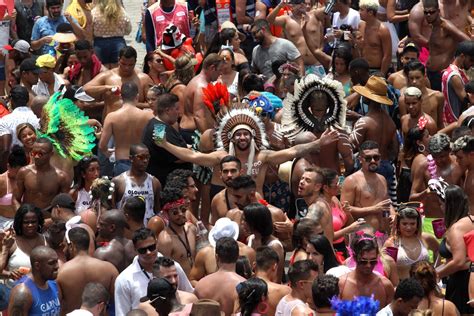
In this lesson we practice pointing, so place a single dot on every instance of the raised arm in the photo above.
(273, 17)
(195, 157)
(395, 16)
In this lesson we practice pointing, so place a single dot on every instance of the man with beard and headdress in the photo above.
(318, 105)
(364, 193)
(241, 133)
(81, 269)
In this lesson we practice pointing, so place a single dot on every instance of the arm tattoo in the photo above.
(315, 212)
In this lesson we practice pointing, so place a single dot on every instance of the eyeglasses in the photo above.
(372, 262)
(369, 158)
(144, 250)
(142, 156)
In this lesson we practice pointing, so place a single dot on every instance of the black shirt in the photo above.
(161, 161)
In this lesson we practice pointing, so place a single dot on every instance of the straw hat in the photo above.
(285, 171)
(375, 89)
(64, 34)
(206, 307)
(230, 25)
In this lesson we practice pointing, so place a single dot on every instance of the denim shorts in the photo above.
(107, 48)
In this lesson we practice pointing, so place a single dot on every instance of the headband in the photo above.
(171, 205)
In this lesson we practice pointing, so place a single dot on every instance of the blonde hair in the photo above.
(369, 4)
(111, 9)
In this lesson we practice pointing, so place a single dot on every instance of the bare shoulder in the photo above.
(186, 297)
(386, 282)
(20, 297)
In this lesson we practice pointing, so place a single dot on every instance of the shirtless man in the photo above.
(137, 182)
(266, 269)
(445, 36)
(379, 127)
(196, 115)
(316, 208)
(243, 193)
(242, 139)
(81, 269)
(205, 262)
(106, 86)
(40, 182)
(410, 53)
(446, 167)
(134, 210)
(231, 168)
(178, 239)
(220, 285)
(166, 268)
(89, 65)
(412, 98)
(464, 150)
(292, 26)
(363, 281)
(377, 44)
(125, 126)
(114, 247)
(364, 193)
(301, 275)
(432, 101)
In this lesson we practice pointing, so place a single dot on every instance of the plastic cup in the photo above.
(438, 227)
(392, 252)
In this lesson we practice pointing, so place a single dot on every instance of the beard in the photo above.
(373, 167)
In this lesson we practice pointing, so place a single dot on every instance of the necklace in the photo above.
(185, 244)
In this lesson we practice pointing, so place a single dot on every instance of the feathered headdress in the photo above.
(234, 120)
(297, 116)
(65, 125)
(215, 96)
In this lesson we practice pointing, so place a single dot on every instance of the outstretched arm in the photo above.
(185, 154)
(278, 157)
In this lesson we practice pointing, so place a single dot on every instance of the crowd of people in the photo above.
(292, 157)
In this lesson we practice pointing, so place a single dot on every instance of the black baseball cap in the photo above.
(29, 64)
(159, 287)
(62, 200)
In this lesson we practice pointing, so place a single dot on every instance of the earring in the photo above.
(421, 148)
(262, 308)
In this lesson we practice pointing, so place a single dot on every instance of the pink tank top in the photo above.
(339, 219)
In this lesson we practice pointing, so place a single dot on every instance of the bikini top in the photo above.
(6, 200)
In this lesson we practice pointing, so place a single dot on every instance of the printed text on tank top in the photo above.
(144, 189)
(6, 200)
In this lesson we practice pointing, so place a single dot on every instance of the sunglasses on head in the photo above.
(369, 158)
(143, 250)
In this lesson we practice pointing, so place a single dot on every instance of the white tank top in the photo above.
(284, 307)
(145, 190)
(83, 201)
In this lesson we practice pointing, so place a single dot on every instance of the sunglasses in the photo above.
(371, 262)
(143, 250)
(369, 158)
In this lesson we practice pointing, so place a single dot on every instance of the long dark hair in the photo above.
(343, 53)
(20, 215)
(81, 168)
(456, 205)
(410, 148)
(250, 294)
(323, 246)
(259, 219)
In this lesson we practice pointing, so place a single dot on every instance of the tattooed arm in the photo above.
(320, 212)
(357, 136)
(20, 301)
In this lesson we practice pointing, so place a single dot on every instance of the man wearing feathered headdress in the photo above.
(318, 105)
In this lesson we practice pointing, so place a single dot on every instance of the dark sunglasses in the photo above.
(143, 250)
(369, 158)
(371, 262)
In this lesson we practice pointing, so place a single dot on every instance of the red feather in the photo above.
(215, 96)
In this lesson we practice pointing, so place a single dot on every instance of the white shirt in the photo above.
(386, 311)
(80, 312)
(41, 88)
(131, 286)
(352, 18)
(9, 122)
